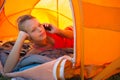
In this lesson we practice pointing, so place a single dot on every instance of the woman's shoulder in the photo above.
(69, 28)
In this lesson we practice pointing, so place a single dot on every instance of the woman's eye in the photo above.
(33, 30)
(40, 25)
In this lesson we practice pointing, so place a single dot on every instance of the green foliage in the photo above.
(4, 78)
(115, 77)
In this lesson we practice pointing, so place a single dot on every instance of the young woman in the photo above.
(43, 37)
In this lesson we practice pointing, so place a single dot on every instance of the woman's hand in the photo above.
(23, 34)
(50, 28)
(63, 33)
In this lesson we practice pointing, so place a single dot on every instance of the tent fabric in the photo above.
(54, 13)
(99, 40)
(106, 3)
(96, 25)
(99, 28)
(8, 28)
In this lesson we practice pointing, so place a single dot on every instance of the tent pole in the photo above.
(2, 6)
(79, 31)
(57, 13)
(82, 44)
(109, 69)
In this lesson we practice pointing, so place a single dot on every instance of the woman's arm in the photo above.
(15, 52)
(67, 33)
(37, 72)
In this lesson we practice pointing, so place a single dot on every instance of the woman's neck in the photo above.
(46, 43)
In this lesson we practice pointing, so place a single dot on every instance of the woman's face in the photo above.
(35, 30)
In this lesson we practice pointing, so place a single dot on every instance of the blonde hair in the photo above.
(21, 20)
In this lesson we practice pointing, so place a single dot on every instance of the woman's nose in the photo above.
(39, 29)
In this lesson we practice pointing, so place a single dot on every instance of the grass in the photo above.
(4, 78)
(114, 77)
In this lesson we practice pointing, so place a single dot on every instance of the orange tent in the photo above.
(43, 10)
(96, 24)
